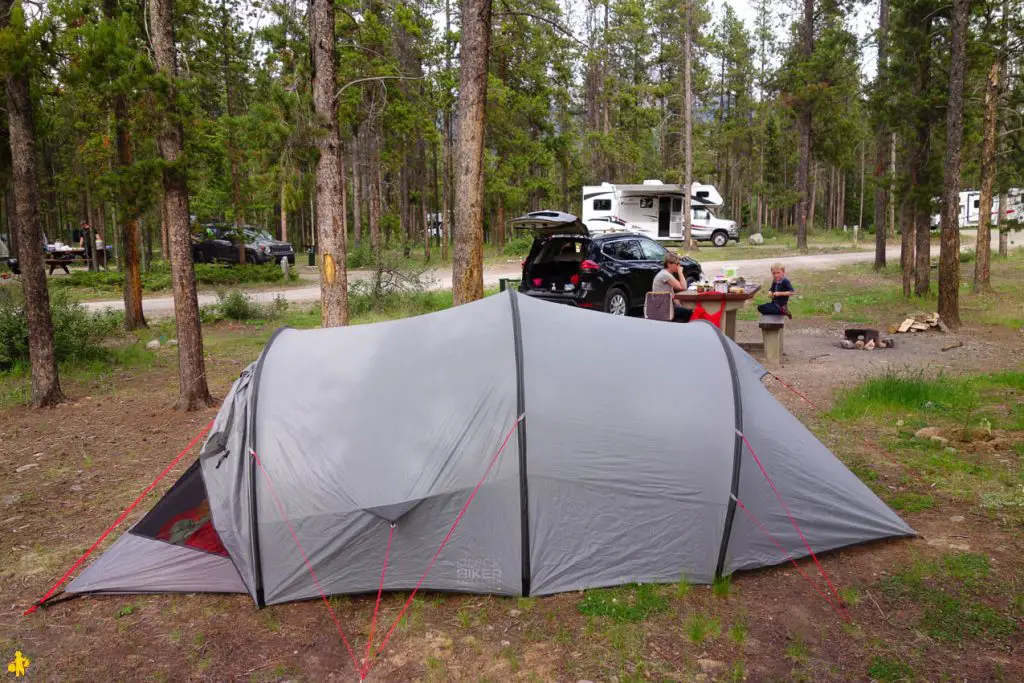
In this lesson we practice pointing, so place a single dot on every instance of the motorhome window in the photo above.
(975, 203)
(700, 214)
(646, 202)
(602, 205)
(703, 194)
(652, 250)
(677, 204)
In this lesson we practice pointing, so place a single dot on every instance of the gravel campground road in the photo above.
(163, 306)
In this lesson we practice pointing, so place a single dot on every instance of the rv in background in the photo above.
(970, 208)
(655, 209)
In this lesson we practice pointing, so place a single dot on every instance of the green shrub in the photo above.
(518, 246)
(158, 277)
(237, 305)
(77, 334)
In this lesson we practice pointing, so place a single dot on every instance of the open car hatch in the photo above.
(547, 223)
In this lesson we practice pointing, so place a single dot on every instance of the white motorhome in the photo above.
(970, 208)
(655, 209)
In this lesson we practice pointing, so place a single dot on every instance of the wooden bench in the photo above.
(773, 328)
(56, 263)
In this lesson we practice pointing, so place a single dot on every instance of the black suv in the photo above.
(211, 243)
(610, 271)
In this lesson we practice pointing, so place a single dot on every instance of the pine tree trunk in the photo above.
(804, 127)
(949, 250)
(46, 389)
(330, 223)
(860, 212)
(133, 315)
(467, 265)
(373, 189)
(908, 220)
(688, 128)
(129, 258)
(446, 185)
(841, 217)
(193, 390)
(500, 228)
(357, 209)
(814, 194)
(1004, 237)
(983, 250)
(284, 214)
(881, 142)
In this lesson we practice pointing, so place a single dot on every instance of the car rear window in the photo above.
(562, 250)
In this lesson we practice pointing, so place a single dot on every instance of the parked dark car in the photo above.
(610, 271)
(214, 243)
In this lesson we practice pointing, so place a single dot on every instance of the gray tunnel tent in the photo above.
(614, 474)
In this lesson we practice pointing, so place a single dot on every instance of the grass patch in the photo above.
(903, 392)
(738, 632)
(701, 628)
(950, 591)
(683, 587)
(721, 586)
(798, 651)
(911, 502)
(624, 604)
(889, 670)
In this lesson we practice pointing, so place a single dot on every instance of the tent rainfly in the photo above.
(594, 450)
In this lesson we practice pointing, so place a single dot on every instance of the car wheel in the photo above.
(720, 239)
(616, 302)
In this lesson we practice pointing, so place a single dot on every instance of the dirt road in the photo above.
(163, 307)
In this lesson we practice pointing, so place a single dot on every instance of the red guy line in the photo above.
(458, 519)
(376, 608)
(785, 553)
(793, 521)
(121, 518)
(305, 558)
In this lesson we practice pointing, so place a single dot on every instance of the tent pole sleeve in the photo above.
(736, 455)
(524, 497)
(253, 507)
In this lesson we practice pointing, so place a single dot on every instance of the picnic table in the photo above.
(712, 302)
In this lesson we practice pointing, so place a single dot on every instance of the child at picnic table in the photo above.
(779, 293)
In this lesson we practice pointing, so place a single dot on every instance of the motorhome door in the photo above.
(664, 216)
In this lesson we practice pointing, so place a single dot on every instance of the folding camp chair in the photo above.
(659, 306)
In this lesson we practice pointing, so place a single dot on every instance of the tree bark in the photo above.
(357, 211)
(129, 258)
(133, 315)
(908, 220)
(192, 386)
(500, 227)
(284, 214)
(983, 249)
(860, 212)
(804, 127)
(46, 389)
(467, 264)
(949, 249)
(373, 188)
(330, 226)
(688, 128)
(446, 185)
(882, 141)
(814, 193)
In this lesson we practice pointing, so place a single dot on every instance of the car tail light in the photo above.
(522, 263)
(589, 265)
(537, 282)
(575, 279)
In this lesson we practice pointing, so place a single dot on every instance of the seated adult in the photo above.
(671, 279)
